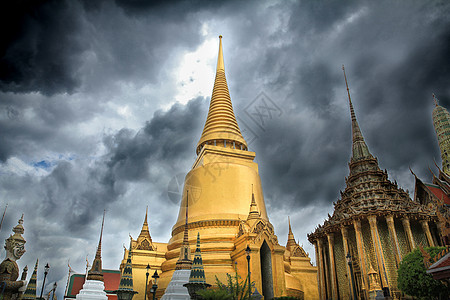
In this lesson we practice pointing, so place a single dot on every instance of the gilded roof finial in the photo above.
(436, 103)
(254, 213)
(146, 212)
(291, 240)
(289, 221)
(144, 240)
(220, 63)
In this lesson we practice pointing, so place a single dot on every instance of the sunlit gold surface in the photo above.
(219, 190)
(221, 125)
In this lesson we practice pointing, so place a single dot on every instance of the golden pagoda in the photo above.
(374, 225)
(227, 208)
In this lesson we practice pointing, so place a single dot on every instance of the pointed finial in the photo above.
(220, 63)
(101, 232)
(359, 147)
(289, 221)
(146, 212)
(96, 272)
(3, 217)
(435, 100)
(352, 111)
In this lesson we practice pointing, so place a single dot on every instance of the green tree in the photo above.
(413, 279)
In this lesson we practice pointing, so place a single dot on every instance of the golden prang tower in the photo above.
(226, 207)
(441, 121)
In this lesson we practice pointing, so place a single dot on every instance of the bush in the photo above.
(234, 289)
(413, 279)
(212, 294)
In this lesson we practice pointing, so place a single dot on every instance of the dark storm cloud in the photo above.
(59, 46)
(41, 48)
(166, 140)
(396, 56)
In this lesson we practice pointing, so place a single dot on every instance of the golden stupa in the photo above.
(226, 207)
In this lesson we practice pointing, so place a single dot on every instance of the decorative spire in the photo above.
(436, 103)
(254, 213)
(126, 278)
(144, 240)
(291, 240)
(96, 273)
(185, 262)
(197, 271)
(441, 121)
(221, 125)
(30, 292)
(359, 147)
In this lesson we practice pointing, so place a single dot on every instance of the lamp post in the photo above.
(46, 268)
(146, 280)
(350, 264)
(54, 290)
(247, 250)
(155, 283)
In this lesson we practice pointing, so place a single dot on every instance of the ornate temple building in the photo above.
(374, 224)
(227, 208)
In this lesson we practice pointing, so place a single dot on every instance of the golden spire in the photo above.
(96, 273)
(359, 147)
(291, 240)
(144, 240)
(221, 127)
(145, 233)
(254, 213)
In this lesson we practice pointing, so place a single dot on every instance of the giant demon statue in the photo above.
(10, 287)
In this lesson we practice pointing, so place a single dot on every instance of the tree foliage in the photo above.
(413, 279)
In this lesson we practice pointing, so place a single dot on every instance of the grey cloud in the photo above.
(396, 55)
(64, 46)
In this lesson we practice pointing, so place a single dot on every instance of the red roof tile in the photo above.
(439, 193)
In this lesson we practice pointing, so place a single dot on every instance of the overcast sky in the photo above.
(102, 104)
